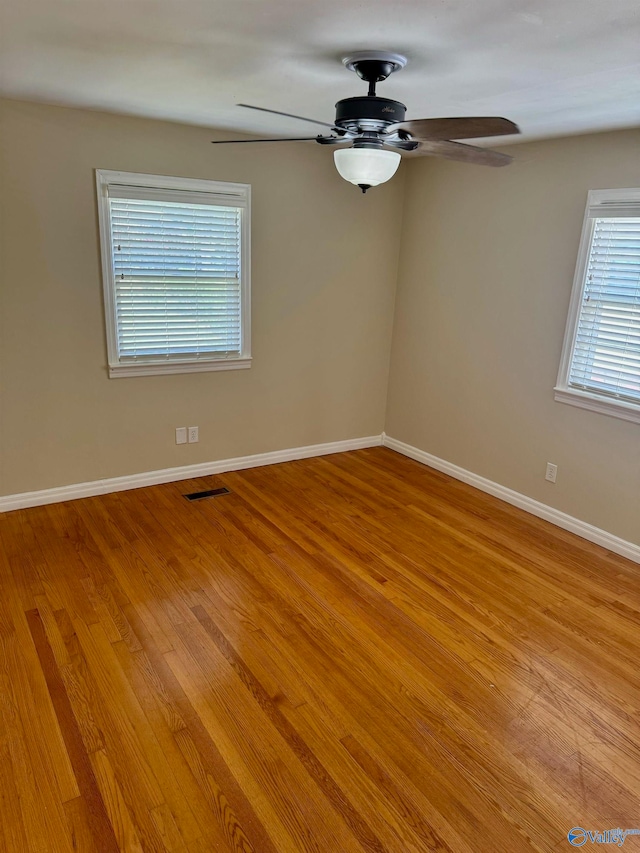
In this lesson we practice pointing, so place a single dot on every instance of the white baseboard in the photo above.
(185, 472)
(561, 519)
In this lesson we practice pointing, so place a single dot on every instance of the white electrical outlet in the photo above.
(193, 435)
(552, 472)
(181, 435)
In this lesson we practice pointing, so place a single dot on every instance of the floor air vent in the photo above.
(210, 493)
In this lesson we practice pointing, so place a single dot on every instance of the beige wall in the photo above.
(488, 259)
(324, 264)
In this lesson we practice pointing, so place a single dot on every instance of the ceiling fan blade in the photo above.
(284, 139)
(287, 115)
(463, 153)
(456, 128)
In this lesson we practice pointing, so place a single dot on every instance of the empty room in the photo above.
(319, 426)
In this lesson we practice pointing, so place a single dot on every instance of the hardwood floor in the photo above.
(346, 653)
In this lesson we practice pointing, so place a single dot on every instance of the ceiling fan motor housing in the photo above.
(368, 113)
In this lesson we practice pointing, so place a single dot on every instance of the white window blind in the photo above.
(606, 356)
(177, 283)
(600, 367)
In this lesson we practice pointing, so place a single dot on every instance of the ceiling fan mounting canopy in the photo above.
(374, 65)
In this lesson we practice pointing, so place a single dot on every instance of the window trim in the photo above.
(599, 204)
(236, 194)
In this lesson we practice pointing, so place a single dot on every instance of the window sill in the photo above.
(150, 368)
(584, 400)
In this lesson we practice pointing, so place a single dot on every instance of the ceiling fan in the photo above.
(371, 131)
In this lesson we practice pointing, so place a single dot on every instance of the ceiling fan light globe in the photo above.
(366, 166)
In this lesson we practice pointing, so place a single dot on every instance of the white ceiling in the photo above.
(554, 66)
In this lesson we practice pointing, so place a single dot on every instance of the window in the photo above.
(175, 261)
(600, 366)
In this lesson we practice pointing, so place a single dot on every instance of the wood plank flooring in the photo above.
(349, 653)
